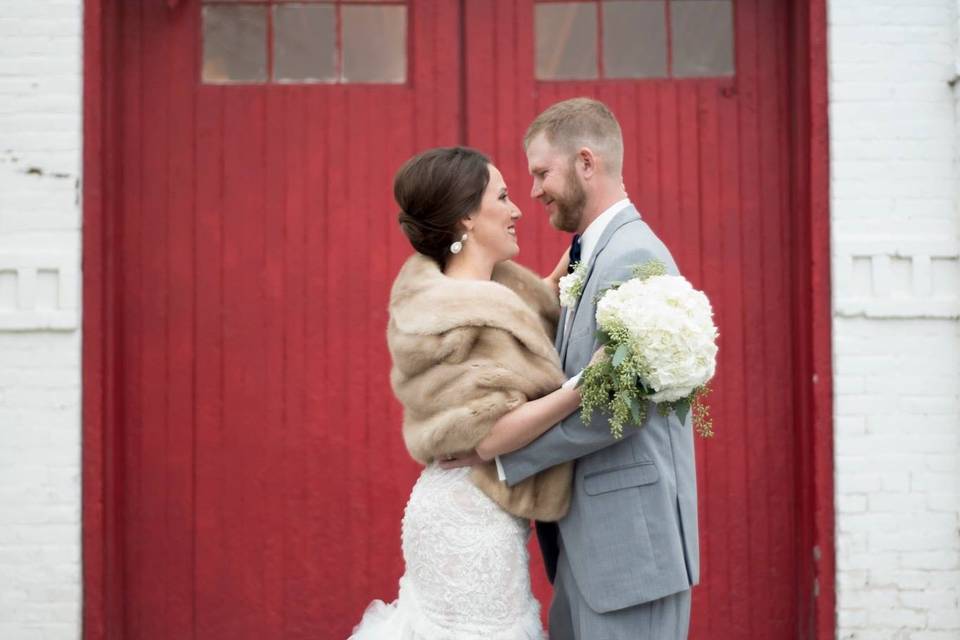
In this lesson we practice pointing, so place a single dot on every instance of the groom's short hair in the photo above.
(581, 122)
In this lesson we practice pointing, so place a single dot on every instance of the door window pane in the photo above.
(634, 40)
(566, 40)
(305, 43)
(330, 41)
(374, 44)
(702, 33)
(234, 44)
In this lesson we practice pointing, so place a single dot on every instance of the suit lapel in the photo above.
(561, 325)
(627, 215)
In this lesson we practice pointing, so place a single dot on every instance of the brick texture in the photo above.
(895, 224)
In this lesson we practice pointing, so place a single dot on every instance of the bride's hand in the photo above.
(561, 269)
(553, 280)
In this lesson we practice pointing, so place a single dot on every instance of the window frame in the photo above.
(668, 26)
(271, 79)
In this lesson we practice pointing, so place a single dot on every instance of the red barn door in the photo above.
(255, 475)
(701, 90)
(264, 476)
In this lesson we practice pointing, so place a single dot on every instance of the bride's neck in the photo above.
(468, 267)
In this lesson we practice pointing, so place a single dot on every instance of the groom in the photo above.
(624, 559)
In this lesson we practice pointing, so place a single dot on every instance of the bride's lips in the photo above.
(512, 230)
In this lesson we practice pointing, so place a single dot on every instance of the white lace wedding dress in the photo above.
(467, 574)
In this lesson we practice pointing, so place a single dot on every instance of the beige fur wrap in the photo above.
(466, 352)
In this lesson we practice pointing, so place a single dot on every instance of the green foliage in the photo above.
(649, 269)
(614, 385)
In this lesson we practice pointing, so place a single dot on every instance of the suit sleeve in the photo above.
(572, 438)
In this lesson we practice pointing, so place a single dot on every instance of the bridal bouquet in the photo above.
(660, 345)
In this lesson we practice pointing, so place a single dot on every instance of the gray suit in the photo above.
(627, 553)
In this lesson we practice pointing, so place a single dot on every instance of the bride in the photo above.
(474, 366)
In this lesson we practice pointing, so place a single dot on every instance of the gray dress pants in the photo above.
(571, 618)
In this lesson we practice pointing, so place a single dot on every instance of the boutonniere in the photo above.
(571, 285)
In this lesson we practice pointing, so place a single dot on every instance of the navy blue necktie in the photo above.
(574, 252)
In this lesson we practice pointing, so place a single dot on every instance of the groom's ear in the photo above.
(587, 162)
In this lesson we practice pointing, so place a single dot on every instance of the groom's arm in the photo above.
(569, 384)
(571, 438)
(568, 440)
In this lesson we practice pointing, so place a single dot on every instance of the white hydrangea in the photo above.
(571, 285)
(671, 331)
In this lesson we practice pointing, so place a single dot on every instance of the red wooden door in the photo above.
(708, 163)
(263, 475)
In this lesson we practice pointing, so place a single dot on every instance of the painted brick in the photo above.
(896, 260)
(40, 123)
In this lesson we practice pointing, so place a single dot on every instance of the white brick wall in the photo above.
(40, 123)
(896, 278)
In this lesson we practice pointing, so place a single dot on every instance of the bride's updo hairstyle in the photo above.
(437, 189)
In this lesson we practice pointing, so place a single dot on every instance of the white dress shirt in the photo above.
(588, 242)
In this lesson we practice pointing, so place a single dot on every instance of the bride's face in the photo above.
(493, 229)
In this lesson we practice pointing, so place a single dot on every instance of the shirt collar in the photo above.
(590, 237)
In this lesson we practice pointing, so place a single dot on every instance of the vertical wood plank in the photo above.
(710, 596)
(731, 303)
(688, 248)
(781, 549)
(212, 564)
(101, 459)
(300, 562)
(667, 224)
(646, 142)
(153, 379)
(339, 422)
(181, 250)
(754, 314)
(241, 467)
(480, 73)
(355, 288)
(130, 312)
(276, 431)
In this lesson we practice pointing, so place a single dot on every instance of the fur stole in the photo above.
(467, 352)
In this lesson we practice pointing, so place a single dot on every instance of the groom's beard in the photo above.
(570, 206)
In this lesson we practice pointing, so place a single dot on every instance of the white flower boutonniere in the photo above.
(571, 285)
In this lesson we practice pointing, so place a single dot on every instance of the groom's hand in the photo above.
(467, 459)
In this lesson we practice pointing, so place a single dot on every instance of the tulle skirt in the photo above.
(403, 620)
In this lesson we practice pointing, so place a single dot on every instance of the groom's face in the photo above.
(556, 183)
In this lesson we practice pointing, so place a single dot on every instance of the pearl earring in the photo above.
(457, 246)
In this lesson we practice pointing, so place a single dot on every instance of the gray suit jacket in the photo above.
(631, 533)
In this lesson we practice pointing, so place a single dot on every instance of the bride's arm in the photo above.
(553, 280)
(524, 424)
